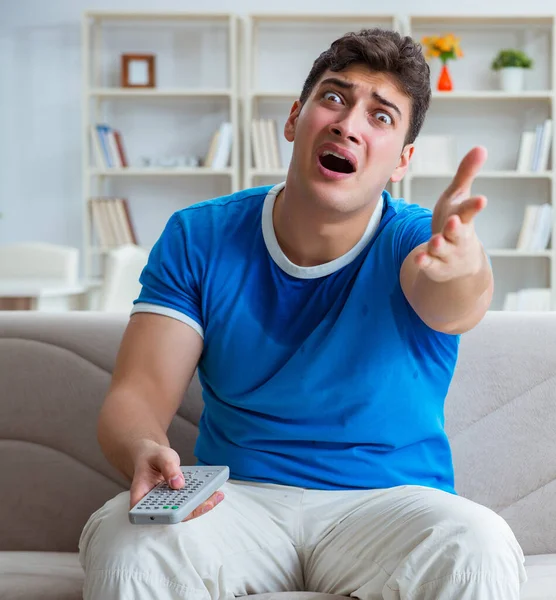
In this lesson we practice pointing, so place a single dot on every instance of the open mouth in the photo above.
(335, 162)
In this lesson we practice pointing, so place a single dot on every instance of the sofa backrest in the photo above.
(501, 422)
(55, 370)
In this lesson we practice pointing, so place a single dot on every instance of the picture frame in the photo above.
(138, 71)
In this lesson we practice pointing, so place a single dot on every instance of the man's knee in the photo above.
(471, 537)
(108, 540)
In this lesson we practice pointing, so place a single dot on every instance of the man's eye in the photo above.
(333, 96)
(384, 117)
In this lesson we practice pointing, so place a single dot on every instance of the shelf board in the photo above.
(159, 172)
(101, 250)
(158, 92)
(455, 20)
(277, 94)
(513, 253)
(139, 15)
(486, 175)
(268, 172)
(322, 17)
(493, 95)
(94, 282)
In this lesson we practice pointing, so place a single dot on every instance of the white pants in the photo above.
(407, 542)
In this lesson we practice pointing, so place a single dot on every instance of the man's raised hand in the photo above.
(454, 249)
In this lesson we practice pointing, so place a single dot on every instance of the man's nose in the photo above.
(345, 129)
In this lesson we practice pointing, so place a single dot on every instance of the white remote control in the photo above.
(164, 505)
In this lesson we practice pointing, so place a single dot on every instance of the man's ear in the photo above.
(289, 127)
(403, 163)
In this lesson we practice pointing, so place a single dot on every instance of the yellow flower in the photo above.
(435, 45)
(444, 45)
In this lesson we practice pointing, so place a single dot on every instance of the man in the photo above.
(324, 317)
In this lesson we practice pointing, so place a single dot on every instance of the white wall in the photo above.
(40, 97)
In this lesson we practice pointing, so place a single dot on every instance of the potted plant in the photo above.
(445, 47)
(511, 64)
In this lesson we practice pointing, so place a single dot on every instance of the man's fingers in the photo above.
(454, 230)
(209, 504)
(466, 173)
(438, 247)
(168, 463)
(140, 487)
(467, 210)
(136, 492)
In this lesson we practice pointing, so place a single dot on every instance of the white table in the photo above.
(26, 293)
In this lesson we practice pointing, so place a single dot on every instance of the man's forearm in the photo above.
(456, 305)
(125, 423)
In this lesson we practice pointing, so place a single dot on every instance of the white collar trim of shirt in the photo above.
(290, 268)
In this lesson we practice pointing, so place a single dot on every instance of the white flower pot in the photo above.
(511, 79)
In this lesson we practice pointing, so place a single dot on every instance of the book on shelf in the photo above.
(536, 228)
(534, 148)
(218, 154)
(528, 299)
(266, 151)
(108, 147)
(112, 222)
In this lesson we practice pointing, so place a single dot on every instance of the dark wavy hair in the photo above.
(384, 51)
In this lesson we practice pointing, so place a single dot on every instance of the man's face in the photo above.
(358, 115)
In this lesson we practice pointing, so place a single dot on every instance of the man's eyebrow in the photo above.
(348, 85)
(385, 102)
(342, 83)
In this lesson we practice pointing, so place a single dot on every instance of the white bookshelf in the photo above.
(513, 253)
(196, 89)
(161, 172)
(476, 112)
(279, 51)
(483, 175)
(158, 93)
(264, 69)
(489, 95)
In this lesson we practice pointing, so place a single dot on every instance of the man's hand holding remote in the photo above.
(155, 463)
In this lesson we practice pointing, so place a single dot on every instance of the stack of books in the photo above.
(529, 299)
(111, 222)
(108, 147)
(266, 152)
(534, 149)
(218, 155)
(536, 228)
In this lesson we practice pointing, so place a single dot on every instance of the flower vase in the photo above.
(445, 80)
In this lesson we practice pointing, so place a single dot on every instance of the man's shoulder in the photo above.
(236, 203)
(402, 209)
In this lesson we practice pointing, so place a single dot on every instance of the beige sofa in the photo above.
(55, 369)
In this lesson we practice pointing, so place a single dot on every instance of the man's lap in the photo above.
(278, 538)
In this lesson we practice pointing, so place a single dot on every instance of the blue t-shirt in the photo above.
(320, 377)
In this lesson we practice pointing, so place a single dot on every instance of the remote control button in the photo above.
(175, 507)
(165, 507)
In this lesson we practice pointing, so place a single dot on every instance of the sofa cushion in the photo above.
(58, 576)
(500, 419)
(44, 575)
(54, 373)
(541, 573)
